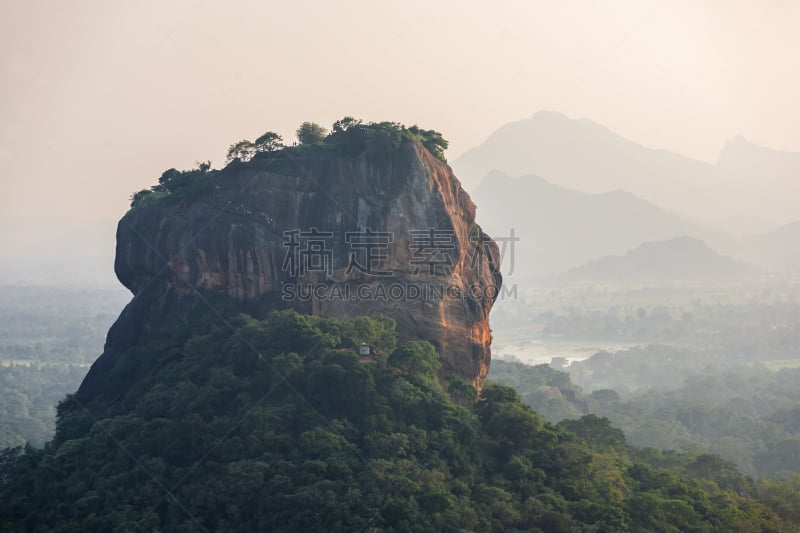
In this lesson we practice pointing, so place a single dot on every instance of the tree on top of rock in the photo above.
(345, 124)
(269, 142)
(432, 140)
(243, 151)
(311, 133)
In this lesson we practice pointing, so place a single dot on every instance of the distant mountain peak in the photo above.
(741, 150)
(546, 114)
(682, 258)
(576, 153)
(754, 183)
(684, 241)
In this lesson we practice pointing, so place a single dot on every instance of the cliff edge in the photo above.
(389, 231)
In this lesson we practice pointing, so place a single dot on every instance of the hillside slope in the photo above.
(276, 425)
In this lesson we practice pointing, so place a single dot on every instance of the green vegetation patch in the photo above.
(348, 137)
(276, 425)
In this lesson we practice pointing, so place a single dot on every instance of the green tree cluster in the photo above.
(276, 425)
(747, 415)
(176, 184)
(311, 133)
(348, 137)
(353, 137)
(28, 396)
(244, 150)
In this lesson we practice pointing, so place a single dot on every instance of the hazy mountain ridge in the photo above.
(682, 258)
(561, 228)
(747, 186)
(575, 154)
(777, 250)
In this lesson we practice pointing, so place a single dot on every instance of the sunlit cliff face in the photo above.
(391, 234)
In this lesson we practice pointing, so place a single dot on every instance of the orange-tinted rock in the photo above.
(171, 255)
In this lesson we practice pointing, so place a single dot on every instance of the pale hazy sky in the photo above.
(99, 97)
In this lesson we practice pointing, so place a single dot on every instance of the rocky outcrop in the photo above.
(332, 235)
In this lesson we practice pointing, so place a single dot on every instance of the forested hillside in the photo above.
(48, 338)
(746, 414)
(230, 428)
